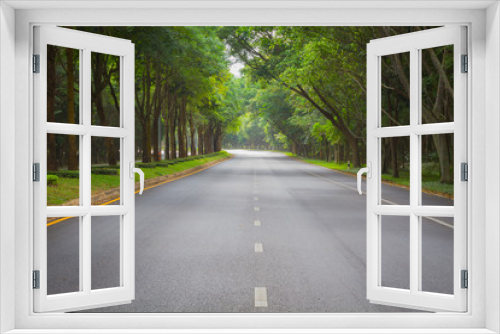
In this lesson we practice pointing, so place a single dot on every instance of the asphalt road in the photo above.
(259, 229)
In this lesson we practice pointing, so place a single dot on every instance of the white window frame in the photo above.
(483, 314)
(85, 43)
(413, 213)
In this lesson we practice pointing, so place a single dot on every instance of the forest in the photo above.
(301, 89)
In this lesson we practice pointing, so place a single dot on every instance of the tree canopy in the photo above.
(302, 89)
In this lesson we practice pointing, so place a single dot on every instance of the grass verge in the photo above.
(430, 182)
(68, 188)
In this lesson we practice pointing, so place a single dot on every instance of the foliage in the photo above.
(72, 174)
(105, 171)
(308, 85)
(145, 164)
(52, 180)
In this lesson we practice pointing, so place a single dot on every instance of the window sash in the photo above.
(86, 43)
(414, 43)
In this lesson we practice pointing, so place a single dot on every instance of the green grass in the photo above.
(430, 182)
(68, 188)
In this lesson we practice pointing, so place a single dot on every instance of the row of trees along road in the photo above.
(184, 99)
(305, 91)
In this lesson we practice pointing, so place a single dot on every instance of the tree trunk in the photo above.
(99, 70)
(444, 159)
(166, 121)
(192, 129)
(201, 150)
(386, 157)
(353, 145)
(172, 120)
(146, 142)
(51, 106)
(70, 91)
(158, 104)
(182, 128)
(156, 151)
(167, 138)
(209, 147)
(394, 156)
(218, 138)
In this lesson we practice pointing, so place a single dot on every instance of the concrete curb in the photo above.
(114, 194)
(429, 192)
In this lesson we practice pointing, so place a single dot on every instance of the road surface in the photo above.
(258, 233)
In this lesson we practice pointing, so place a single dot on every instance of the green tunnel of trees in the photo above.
(302, 89)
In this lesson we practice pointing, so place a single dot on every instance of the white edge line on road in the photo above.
(438, 221)
(257, 222)
(256, 208)
(260, 297)
(255, 198)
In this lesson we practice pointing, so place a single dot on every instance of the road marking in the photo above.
(258, 248)
(257, 222)
(261, 297)
(255, 198)
(438, 221)
(256, 208)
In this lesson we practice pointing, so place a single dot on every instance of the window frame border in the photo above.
(481, 315)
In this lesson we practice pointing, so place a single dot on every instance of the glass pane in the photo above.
(106, 251)
(437, 169)
(437, 84)
(63, 175)
(437, 254)
(105, 89)
(63, 255)
(395, 167)
(395, 91)
(63, 77)
(395, 251)
(105, 170)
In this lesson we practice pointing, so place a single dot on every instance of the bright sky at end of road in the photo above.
(235, 69)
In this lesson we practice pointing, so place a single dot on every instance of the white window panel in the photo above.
(414, 297)
(85, 297)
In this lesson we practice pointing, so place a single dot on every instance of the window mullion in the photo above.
(414, 170)
(85, 174)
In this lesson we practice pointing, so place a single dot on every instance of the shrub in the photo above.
(431, 168)
(105, 171)
(71, 174)
(163, 164)
(107, 167)
(145, 164)
(52, 180)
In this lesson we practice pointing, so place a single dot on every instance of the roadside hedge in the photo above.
(75, 174)
(71, 174)
(145, 164)
(105, 171)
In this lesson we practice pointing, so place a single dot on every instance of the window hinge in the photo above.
(36, 279)
(36, 172)
(465, 279)
(36, 63)
(464, 171)
(465, 63)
